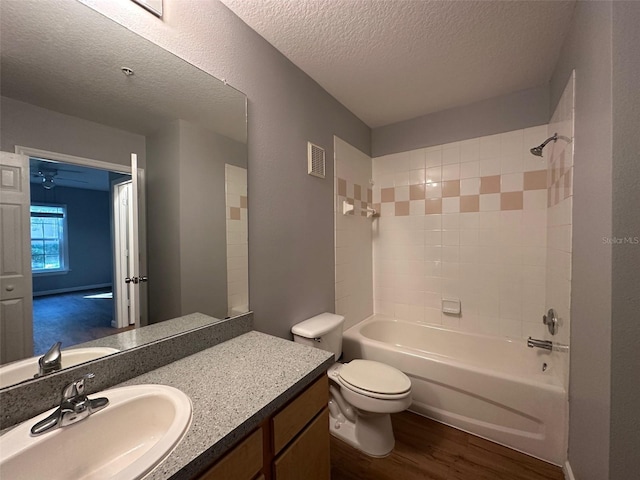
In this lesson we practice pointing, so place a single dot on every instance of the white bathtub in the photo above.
(492, 387)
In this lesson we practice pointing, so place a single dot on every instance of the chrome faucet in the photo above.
(533, 342)
(75, 406)
(50, 361)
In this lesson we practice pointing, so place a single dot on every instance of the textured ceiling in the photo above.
(68, 58)
(392, 60)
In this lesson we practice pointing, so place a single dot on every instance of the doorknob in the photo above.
(136, 280)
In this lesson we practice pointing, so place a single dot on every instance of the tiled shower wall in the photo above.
(465, 220)
(237, 240)
(354, 271)
(560, 207)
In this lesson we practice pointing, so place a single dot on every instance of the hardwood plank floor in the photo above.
(428, 450)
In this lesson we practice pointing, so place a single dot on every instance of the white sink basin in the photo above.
(125, 440)
(22, 370)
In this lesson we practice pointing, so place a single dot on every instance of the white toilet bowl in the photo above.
(363, 394)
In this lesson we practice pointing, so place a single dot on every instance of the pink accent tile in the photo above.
(234, 213)
(470, 203)
(416, 192)
(451, 188)
(369, 195)
(376, 207)
(535, 180)
(402, 209)
(243, 201)
(433, 206)
(357, 192)
(363, 205)
(388, 194)
(511, 201)
(342, 187)
(490, 184)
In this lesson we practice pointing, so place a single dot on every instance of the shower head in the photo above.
(537, 151)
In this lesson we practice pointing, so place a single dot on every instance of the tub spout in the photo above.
(533, 342)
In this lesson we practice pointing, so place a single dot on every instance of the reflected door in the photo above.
(16, 323)
(121, 193)
(135, 278)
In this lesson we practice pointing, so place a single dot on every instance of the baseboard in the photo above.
(71, 289)
(568, 473)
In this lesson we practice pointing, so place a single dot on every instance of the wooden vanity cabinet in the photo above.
(292, 444)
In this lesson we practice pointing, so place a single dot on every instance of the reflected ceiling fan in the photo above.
(49, 176)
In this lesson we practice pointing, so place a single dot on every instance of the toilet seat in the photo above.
(374, 379)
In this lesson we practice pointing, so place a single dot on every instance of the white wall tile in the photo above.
(470, 186)
(451, 205)
(490, 166)
(489, 202)
(433, 157)
(470, 169)
(451, 172)
(470, 150)
(451, 155)
(490, 146)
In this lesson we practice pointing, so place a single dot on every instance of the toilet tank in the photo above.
(323, 331)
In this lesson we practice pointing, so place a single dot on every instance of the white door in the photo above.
(16, 322)
(135, 278)
(120, 194)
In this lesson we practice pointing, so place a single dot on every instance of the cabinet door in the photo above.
(244, 462)
(308, 456)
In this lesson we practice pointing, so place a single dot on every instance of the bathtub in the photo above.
(488, 386)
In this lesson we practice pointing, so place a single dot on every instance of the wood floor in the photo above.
(427, 450)
(71, 318)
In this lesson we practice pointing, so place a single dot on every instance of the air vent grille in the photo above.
(316, 160)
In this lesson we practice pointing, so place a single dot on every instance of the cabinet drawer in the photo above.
(244, 462)
(293, 418)
(308, 456)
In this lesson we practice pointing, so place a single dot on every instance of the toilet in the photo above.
(362, 392)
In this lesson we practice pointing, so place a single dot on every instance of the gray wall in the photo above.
(514, 111)
(291, 253)
(30, 126)
(163, 223)
(625, 334)
(203, 241)
(604, 392)
(186, 210)
(89, 237)
(588, 50)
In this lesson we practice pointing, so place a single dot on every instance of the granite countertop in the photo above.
(233, 387)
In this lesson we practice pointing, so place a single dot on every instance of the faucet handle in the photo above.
(75, 388)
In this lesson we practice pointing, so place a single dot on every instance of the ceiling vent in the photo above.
(315, 155)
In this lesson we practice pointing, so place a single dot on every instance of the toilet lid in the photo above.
(374, 377)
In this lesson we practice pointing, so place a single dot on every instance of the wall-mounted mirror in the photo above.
(79, 95)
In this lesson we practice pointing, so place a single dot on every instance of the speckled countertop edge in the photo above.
(234, 386)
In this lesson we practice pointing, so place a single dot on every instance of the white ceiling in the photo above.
(393, 60)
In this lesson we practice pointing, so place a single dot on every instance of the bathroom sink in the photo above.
(137, 429)
(22, 370)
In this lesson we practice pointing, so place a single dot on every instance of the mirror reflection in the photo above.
(79, 95)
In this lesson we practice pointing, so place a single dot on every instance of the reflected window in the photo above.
(48, 238)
